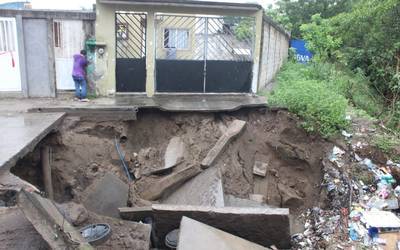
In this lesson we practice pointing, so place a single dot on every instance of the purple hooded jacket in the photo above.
(80, 64)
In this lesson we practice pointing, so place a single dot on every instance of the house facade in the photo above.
(36, 49)
(157, 47)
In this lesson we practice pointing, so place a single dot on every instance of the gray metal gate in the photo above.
(204, 54)
(130, 39)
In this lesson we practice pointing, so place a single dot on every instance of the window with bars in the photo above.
(57, 34)
(7, 36)
(176, 39)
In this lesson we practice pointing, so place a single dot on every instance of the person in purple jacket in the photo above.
(79, 75)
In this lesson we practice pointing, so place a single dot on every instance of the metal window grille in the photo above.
(57, 34)
(7, 35)
(130, 35)
(205, 38)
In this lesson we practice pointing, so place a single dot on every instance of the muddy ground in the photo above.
(84, 151)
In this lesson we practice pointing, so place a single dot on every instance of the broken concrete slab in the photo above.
(202, 190)
(48, 221)
(194, 235)
(232, 201)
(168, 183)
(174, 153)
(17, 232)
(20, 133)
(233, 130)
(264, 226)
(12, 182)
(260, 168)
(106, 195)
(173, 156)
(135, 213)
(258, 198)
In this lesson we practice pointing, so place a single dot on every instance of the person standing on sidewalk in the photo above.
(79, 76)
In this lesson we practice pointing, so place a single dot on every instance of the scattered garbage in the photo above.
(96, 234)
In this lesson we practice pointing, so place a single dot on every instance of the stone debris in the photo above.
(106, 195)
(233, 130)
(202, 190)
(260, 168)
(244, 222)
(75, 213)
(169, 183)
(47, 220)
(194, 235)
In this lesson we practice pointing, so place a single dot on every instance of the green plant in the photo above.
(321, 108)
(387, 143)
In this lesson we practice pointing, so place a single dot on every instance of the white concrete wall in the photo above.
(274, 53)
(10, 79)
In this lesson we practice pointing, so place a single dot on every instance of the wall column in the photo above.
(150, 54)
(257, 50)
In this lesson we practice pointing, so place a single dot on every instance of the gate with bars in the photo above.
(204, 54)
(193, 54)
(130, 51)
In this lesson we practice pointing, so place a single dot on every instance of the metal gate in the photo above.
(204, 54)
(130, 51)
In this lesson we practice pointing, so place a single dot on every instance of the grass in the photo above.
(320, 93)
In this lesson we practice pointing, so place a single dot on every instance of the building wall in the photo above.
(39, 77)
(36, 53)
(10, 80)
(274, 53)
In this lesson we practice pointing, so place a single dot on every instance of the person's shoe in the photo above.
(76, 99)
(85, 100)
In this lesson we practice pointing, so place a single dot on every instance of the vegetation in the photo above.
(356, 47)
(318, 102)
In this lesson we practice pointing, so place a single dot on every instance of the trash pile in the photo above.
(363, 209)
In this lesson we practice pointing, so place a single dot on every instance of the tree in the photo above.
(293, 13)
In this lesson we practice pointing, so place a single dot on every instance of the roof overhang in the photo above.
(188, 4)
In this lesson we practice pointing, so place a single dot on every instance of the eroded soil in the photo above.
(84, 151)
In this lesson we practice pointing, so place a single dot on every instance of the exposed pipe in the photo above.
(122, 158)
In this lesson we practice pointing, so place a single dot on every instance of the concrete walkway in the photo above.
(21, 132)
(174, 103)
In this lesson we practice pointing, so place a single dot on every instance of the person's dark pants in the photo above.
(80, 87)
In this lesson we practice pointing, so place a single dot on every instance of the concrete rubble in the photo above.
(106, 195)
(194, 235)
(240, 221)
(233, 130)
(49, 222)
(203, 190)
(169, 183)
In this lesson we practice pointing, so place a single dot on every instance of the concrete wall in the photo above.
(39, 60)
(105, 34)
(275, 50)
(36, 49)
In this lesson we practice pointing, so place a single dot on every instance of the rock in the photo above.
(260, 168)
(75, 213)
(289, 197)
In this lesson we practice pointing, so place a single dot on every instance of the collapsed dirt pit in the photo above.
(271, 163)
